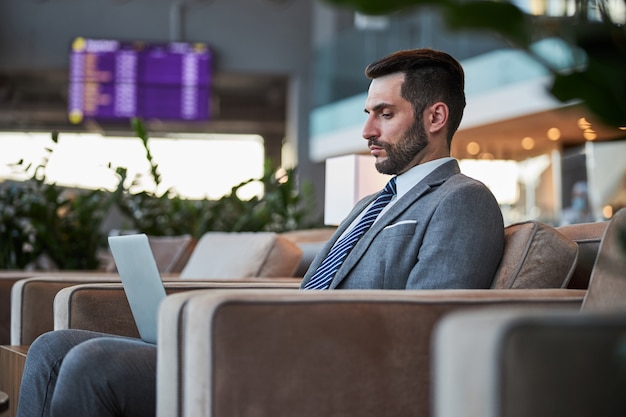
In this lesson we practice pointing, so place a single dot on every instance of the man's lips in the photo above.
(375, 148)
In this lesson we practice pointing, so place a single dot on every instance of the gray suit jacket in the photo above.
(446, 232)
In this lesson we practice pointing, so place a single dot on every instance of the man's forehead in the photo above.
(385, 90)
(396, 78)
(387, 84)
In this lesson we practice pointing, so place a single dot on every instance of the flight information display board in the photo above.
(111, 79)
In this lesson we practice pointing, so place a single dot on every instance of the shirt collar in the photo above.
(406, 180)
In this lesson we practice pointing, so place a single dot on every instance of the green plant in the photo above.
(38, 218)
(18, 236)
(285, 205)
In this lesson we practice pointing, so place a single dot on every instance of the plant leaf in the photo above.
(503, 18)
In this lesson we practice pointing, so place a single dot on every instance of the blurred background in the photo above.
(224, 86)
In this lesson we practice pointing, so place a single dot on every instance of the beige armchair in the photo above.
(365, 353)
(543, 363)
(511, 362)
(297, 353)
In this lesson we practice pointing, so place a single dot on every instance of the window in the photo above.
(195, 166)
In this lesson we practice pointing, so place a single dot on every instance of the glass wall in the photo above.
(339, 64)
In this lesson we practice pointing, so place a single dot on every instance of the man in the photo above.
(433, 228)
(441, 229)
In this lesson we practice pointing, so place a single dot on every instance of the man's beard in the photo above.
(400, 155)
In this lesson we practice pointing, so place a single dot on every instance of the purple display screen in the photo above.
(110, 79)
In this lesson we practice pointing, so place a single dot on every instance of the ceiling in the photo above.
(503, 140)
(240, 103)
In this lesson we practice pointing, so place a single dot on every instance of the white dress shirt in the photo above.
(404, 182)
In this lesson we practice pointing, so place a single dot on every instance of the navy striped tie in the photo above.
(329, 266)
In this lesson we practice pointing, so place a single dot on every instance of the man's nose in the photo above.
(369, 130)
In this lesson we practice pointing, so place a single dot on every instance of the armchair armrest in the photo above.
(540, 363)
(32, 301)
(103, 307)
(310, 353)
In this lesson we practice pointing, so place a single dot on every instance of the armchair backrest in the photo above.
(242, 255)
(171, 253)
(588, 237)
(607, 285)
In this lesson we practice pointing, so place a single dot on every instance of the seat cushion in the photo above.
(535, 255)
(242, 255)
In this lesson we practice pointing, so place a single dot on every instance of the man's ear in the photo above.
(436, 117)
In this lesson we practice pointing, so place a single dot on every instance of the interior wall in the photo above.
(246, 35)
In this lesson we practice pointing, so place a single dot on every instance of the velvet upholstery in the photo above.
(103, 307)
(242, 255)
(32, 302)
(532, 249)
(309, 353)
(171, 253)
(588, 237)
(540, 363)
(607, 285)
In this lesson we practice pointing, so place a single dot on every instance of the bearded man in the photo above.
(438, 228)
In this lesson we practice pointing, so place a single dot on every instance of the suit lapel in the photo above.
(433, 180)
(358, 208)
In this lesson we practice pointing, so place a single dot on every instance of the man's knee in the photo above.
(111, 360)
(52, 346)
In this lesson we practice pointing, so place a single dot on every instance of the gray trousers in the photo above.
(80, 373)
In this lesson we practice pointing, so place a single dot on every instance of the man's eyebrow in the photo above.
(379, 106)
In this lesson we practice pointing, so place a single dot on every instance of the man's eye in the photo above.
(386, 115)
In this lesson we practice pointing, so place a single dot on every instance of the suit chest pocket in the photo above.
(403, 227)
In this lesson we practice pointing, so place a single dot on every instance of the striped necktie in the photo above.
(328, 268)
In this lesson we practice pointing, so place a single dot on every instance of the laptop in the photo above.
(141, 280)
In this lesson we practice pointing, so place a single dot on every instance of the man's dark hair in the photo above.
(430, 76)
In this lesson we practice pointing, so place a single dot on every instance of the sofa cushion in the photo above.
(242, 255)
(535, 255)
